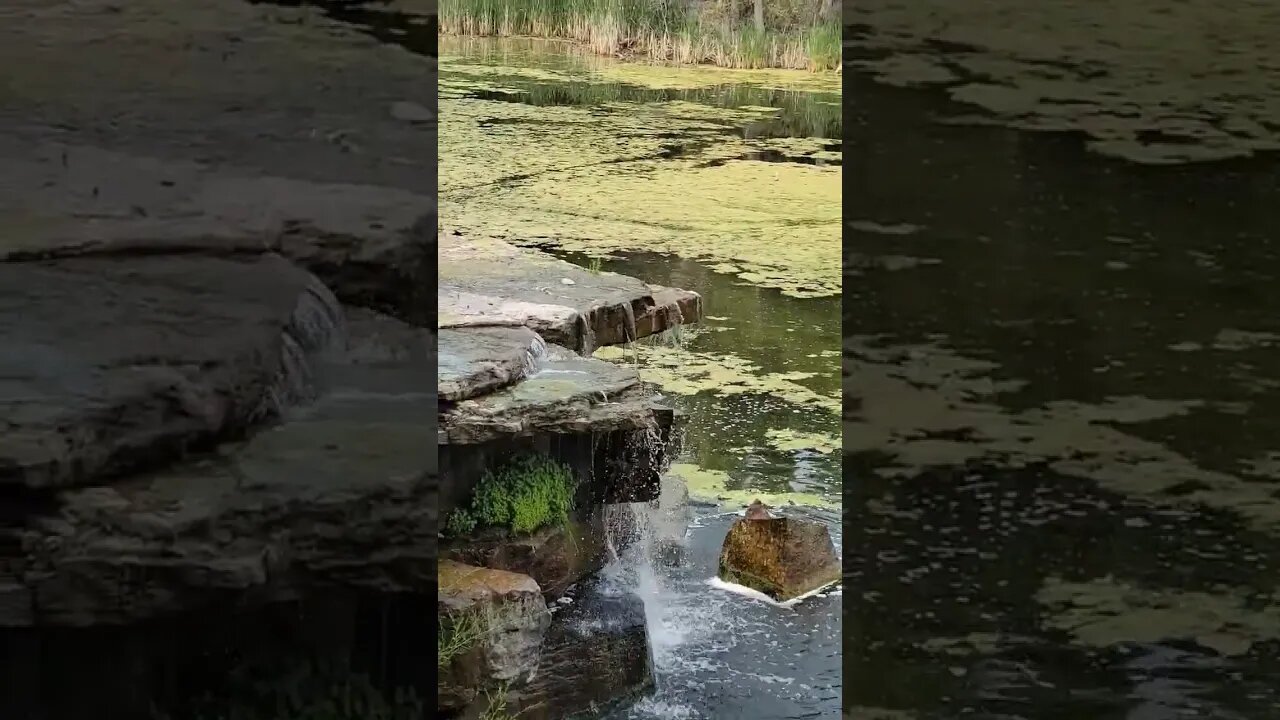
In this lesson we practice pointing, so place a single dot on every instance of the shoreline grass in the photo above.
(662, 32)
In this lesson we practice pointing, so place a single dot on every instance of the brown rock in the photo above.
(758, 511)
(555, 556)
(505, 620)
(781, 557)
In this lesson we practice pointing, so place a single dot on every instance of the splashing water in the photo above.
(709, 645)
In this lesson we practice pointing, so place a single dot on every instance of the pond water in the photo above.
(1063, 432)
(726, 183)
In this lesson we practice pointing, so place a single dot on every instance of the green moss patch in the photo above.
(529, 493)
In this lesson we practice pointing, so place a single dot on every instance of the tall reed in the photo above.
(655, 30)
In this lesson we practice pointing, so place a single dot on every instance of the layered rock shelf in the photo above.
(516, 331)
(190, 422)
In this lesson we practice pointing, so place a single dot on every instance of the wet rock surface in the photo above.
(568, 394)
(115, 365)
(336, 494)
(781, 557)
(557, 557)
(164, 169)
(180, 266)
(486, 282)
(479, 361)
(596, 655)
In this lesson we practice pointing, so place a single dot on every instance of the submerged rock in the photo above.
(781, 557)
(494, 624)
(596, 655)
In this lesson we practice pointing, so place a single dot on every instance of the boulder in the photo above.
(556, 557)
(781, 557)
(494, 623)
(596, 656)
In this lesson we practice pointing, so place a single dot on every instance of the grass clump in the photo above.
(526, 494)
(496, 708)
(457, 634)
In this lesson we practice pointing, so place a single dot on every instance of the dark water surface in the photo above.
(1062, 424)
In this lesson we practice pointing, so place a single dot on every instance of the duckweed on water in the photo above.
(697, 168)
(684, 372)
(788, 440)
(1104, 612)
(714, 486)
(524, 495)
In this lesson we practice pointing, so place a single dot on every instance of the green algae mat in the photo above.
(737, 169)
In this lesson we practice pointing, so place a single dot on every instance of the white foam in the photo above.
(745, 591)
(653, 708)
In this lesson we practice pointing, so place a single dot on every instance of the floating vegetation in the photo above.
(715, 486)
(1105, 612)
(643, 165)
(788, 440)
(684, 372)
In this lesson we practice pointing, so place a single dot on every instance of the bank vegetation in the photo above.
(801, 34)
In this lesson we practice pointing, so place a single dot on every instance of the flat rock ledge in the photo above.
(194, 421)
(566, 394)
(516, 328)
(489, 283)
(336, 494)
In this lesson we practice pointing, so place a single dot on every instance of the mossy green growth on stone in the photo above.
(529, 493)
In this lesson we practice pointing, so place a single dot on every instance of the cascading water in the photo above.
(535, 357)
(632, 538)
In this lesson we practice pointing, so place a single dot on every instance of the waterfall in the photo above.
(535, 357)
(316, 330)
(631, 538)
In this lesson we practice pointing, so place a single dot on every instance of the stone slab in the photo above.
(478, 361)
(114, 364)
(567, 394)
(340, 493)
(485, 282)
